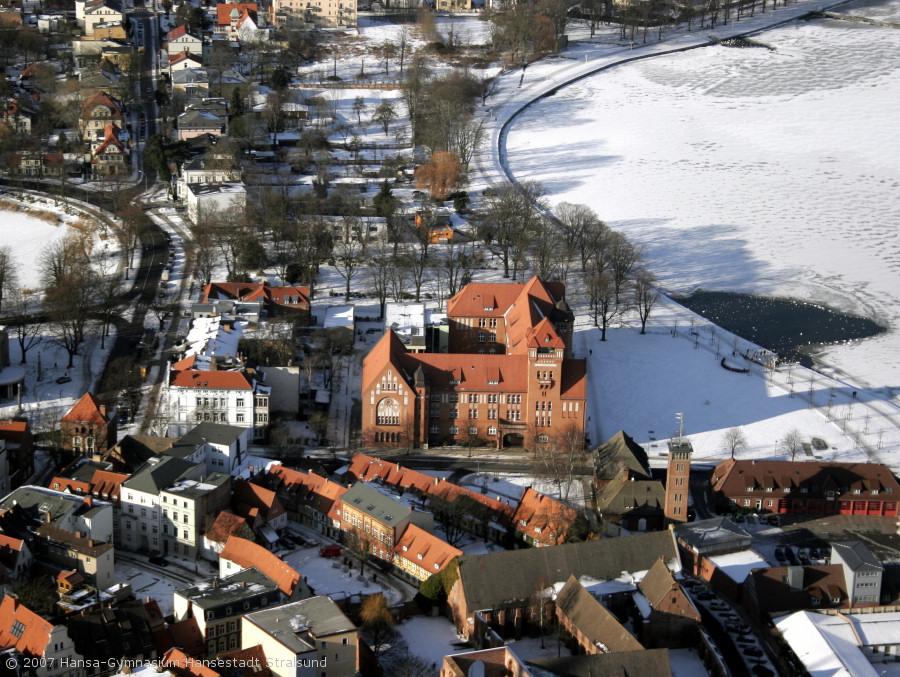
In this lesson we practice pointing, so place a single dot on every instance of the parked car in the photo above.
(330, 551)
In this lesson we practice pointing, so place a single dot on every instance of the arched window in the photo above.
(388, 412)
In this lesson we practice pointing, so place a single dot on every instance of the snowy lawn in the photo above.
(637, 383)
(431, 638)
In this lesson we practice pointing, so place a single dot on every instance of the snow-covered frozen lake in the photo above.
(774, 172)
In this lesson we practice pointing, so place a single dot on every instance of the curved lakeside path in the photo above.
(513, 91)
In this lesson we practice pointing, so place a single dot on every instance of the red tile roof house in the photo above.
(541, 521)
(240, 554)
(529, 391)
(418, 555)
(307, 497)
(15, 558)
(225, 525)
(31, 636)
(291, 300)
(473, 511)
(806, 487)
(20, 450)
(217, 396)
(86, 428)
(259, 506)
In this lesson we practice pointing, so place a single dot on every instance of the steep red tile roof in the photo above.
(249, 661)
(450, 492)
(483, 299)
(101, 99)
(872, 480)
(368, 468)
(183, 665)
(85, 410)
(35, 636)
(10, 549)
(248, 554)
(178, 57)
(107, 484)
(388, 349)
(185, 363)
(425, 550)
(223, 11)
(294, 295)
(225, 525)
(443, 371)
(249, 497)
(320, 493)
(13, 426)
(186, 635)
(110, 138)
(213, 380)
(176, 32)
(543, 519)
(103, 484)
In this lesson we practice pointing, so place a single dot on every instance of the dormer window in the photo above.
(787, 490)
(857, 491)
(419, 556)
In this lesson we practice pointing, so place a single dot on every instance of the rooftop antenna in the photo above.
(679, 416)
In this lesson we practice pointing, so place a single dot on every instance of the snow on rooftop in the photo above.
(828, 646)
(738, 565)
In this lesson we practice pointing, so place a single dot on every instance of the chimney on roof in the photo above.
(794, 577)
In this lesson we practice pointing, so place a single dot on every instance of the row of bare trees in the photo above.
(78, 290)
(514, 223)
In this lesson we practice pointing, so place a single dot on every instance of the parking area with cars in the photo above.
(740, 645)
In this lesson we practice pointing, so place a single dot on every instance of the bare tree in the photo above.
(68, 309)
(645, 296)
(22, 306)
(9, 274)
(349, 252)
(792, 443)
(559, 458)
(377, 622)
(579, 226)
(384, 115)
(623, 257)
(455, 268)
(381, 263)
(734, 440)
(359, 107)
(601, 295)
(509, 219)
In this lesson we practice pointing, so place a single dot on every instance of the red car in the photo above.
(330, 551)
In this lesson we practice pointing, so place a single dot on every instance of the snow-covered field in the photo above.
(638, 383)
(746, 169)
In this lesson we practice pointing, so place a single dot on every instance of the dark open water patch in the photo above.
(787, 326)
